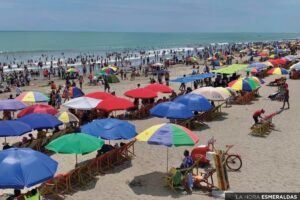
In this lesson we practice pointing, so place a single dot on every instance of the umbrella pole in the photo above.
(167, 159)
(4, 139)
(76, 160)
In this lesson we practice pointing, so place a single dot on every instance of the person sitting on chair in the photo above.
(257, 115)
(187, 161)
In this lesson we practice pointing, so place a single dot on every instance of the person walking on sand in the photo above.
(286, 96)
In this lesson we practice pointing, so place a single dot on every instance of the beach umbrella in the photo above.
(115, 103)
(194, 102)
(295, 66)
(110, 129)
(257, 65)
(76, 92)
(257, 80)
(66, 117)
(159, 88)
(82, 103)
(212, 93)
(278, 71)
(38, 108)
(99, 95)
(278, 61)
(39, 121)
(268, 64)
(32, 97)
(11, 104)
(141, 93)
(244, 85)
(171, 110)
(169, 135)
(24, 167)
(72, 70)
(108, 70)
(13, 128)
(75, 143)
(263, 54)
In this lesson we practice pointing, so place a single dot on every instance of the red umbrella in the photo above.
(263, 54)
(141, 93)
(115, 103)
(38, 108)
(159, 88)
(99, 95)
(278, 61)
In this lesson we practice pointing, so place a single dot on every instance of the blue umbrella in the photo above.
(110, 129)
(11, 104)
(171, 110)
(40, 121)
(257, 65)
(13, 128)
(24, 167)
(194, 102)
(77, 92)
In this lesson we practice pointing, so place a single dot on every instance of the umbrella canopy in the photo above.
(168, 134)
(107, 70)
(110, 129)
(257, 65)
(38, 108)
(295, 66)
(13, 128)
(141, 93)
(171, 110)
(278, 71)
(194, 102)
(75, 143)
(263, 54)
(72, 70)
(212, 93)
(82, 103)
(159, 88)
(32, 97)
(279, 61)
(99, 95)
(244, 84)
(257, 80)
(66, 117)
(115, 103)
(24, 167)
(11, 104)
(40, 121)
(77, 92)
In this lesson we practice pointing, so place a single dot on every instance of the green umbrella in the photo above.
(75, 143)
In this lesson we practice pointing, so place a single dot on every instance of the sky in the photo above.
(151, 15)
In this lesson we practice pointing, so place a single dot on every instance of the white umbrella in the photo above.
(213, 94)
(82, 103)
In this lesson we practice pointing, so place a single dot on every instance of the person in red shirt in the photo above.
(257, 115)
(286, 98)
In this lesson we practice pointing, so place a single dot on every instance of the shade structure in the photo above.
(171, 110)
(278, 71)
(11, 104)
(295, 67)
(72, 70)
(38, 108)
(32, 97)
(99, 95)
(278, 61)
(24, 167)
(115, 103)
(13, 128)
(257, 65)
(159, 88)
(168, 134)
(194, 102)
(244, 85)
(108, 70)
(212, 93)
(141, 93)
(75, 143)
(110, 129)
(257, 80)
(39, 121)
(66, 117)
(82, 103)
(76, 92)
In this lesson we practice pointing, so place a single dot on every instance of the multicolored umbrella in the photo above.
(38, 108)
(32, 97)
(11, 104)
(108, 70)
(76, 92)
(159, 88)
(66, 117)
(141, 93)
(171, 110)
(212, 93)
(115, 103)
(278, 71)
(244, 85)
(72, 70)
(24, 167)
(99, 95)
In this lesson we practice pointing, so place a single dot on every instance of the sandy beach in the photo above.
(270, 164)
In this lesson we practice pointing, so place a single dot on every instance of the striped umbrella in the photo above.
(244, 85)
(66, 117)
(278, 71)
(32, 97)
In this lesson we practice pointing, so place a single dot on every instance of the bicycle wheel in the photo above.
(234, 162)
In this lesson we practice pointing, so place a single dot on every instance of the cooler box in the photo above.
(199, 152)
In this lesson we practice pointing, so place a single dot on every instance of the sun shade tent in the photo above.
(231, 69)
(192, 78)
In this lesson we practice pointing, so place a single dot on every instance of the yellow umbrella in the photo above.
(66, 117)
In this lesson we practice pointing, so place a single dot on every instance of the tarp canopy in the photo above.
(231, 69)
(192, 78)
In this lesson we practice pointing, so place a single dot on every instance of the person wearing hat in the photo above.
(257, 115)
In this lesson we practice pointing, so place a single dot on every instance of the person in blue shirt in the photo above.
(187, 161)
